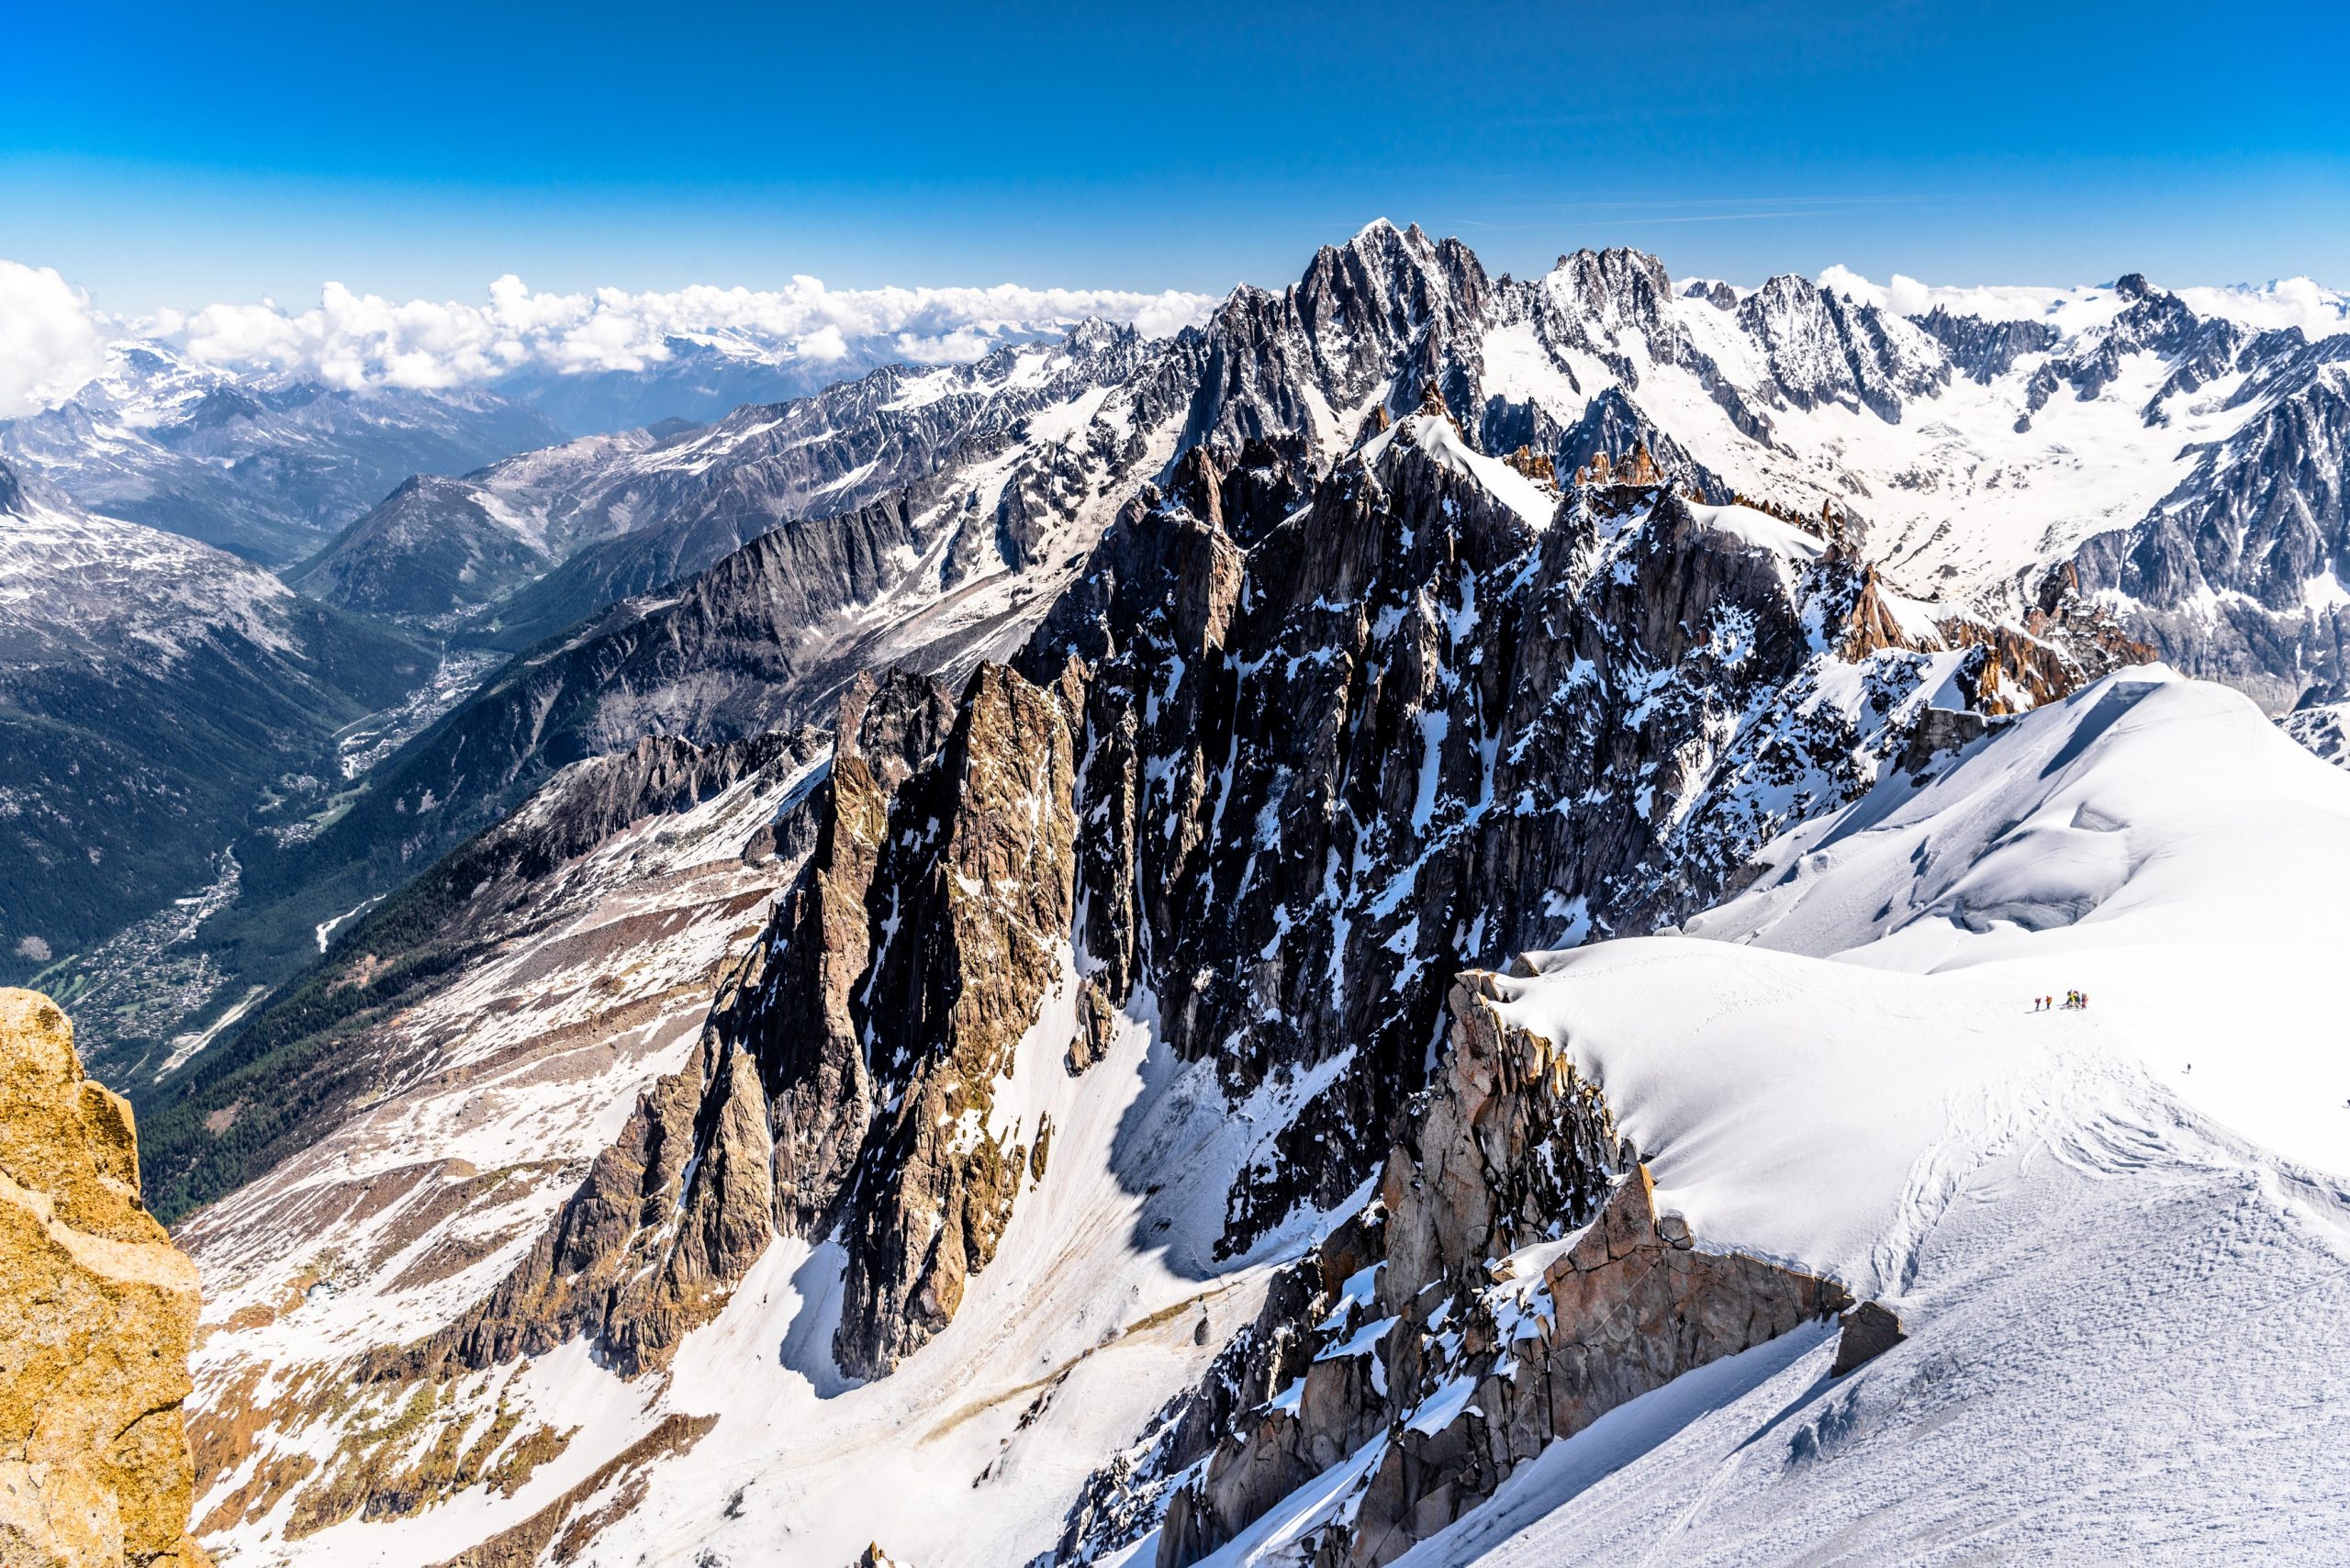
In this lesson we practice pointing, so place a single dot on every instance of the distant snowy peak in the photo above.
(266, 467)
(267, 432)
(2316, 310)
(1011, 434)
(76, 588)
(2114, 428)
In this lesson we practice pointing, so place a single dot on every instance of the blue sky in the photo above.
(159, 156)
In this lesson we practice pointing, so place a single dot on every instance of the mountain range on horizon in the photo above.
(1399, 919)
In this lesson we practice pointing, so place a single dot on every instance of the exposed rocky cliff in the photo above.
(929, 518)
(1215, 763)
(2321, 722)
(96, 1311)
(850, 1074)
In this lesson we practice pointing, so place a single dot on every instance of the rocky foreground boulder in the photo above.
(96, 1311)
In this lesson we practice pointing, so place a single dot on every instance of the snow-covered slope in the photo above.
(592, 930)
(2114, 1235)
(2146, 844)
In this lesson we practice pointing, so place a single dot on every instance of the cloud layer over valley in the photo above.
(52, 335)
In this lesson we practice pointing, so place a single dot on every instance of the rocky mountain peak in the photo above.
(1615, 288)
(1093, 335)
(1267, 697)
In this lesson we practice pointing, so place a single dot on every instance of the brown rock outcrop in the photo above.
(1633, 1310)
(972, 953)
(97, 1309)
(1870, 625)
(1870, 1330)
(855, 1051)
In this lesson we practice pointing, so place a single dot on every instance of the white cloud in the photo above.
(1841, 279)
(2317, 311)
(50, 339)
(354, 340)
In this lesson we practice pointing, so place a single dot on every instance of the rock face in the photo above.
(547, 974)
(1341, 744)
(2321, 722)
(1870, 1330)
(857, 1052)
(96, 1311)
(1251, 695)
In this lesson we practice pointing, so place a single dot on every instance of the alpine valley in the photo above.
(1409, 926)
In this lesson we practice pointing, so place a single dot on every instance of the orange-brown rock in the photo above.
(1533, 464)
(97, 1311)
(1870, 625)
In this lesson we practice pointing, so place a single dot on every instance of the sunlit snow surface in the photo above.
(2127, 1283)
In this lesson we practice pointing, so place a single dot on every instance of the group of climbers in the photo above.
(2073, 1001)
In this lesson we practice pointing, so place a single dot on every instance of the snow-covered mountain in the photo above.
(929, 518)
(1833, 1087)
(1090, 1105)
(2187, 462)
(269, 468)
(705, 375)
(1316, 751)
(267, 430)
(612, 515)
(2104, 1232)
